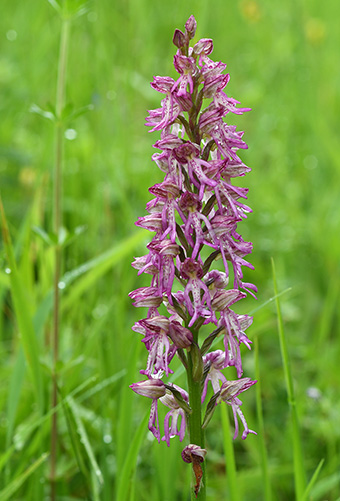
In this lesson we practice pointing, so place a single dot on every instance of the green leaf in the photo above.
(211, 407)
(179, 399)
(75, 443)
(64, 238)
(232, 484)
(312, 480)
(10, 489)
(95, 268)
(91, 271)
(77, 8)
(209, 340)
(207, 263)
(66, 112)
(55, 4)
(126, 475)
(84, 439)
(72, 235)
(325, 485)
(79, 111)
(4, 279)
(5, 457)
(299, 470)
(45, 237)
(266, 481)
(43, 113)
(103, 384)
(197, 363)
(25, 429)
(22, 310)
(14, 393)
(270, 300)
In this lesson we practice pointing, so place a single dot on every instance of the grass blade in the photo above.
(261, 434)
(23, 315)
(228, 445)
(88, 273)
(126, 476)
(14, 393)
(11, 488)
(312, 480)
(4, 458)
(322, 489)
(299, 471)
(84, 439)
(25, 430)
(76, 446)
(95, 268)
(103, 384)
(15, 385)
(270, 300)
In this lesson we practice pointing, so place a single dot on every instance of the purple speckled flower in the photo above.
(175, 420)
(155, 389)
(229, 392)
(196, 255)
(216, 362)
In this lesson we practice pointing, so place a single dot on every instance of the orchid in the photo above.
(194, 218)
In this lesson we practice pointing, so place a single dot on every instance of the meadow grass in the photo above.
(283, 61)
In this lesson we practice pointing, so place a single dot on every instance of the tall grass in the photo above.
(283, 60)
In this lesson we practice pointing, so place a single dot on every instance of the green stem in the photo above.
(57, 224)
(195, 362)
(261, 435)
(299, 471)
(196, 433)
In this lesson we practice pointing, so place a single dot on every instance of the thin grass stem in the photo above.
(57, 224)
(234, 492)
(259, 412)
(299, 471)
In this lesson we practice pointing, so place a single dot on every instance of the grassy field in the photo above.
(283, 58)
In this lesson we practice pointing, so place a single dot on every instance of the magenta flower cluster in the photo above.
(193, 215)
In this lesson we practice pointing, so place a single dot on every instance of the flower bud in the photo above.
(155, 323)
(205, 46)
(140, 263)
(151, 388)
(190, 26)
(164, 247)
(146, 296)
(162, 84)
(215, 278)
(179, 39)
(165, 189)
(225, 298)
(231, 389)
(151, 222)
(181, 336)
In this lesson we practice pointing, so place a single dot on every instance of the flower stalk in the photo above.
(196, 432)
(57, 225)
(194, 217)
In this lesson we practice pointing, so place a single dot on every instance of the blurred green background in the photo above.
(283, 58)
